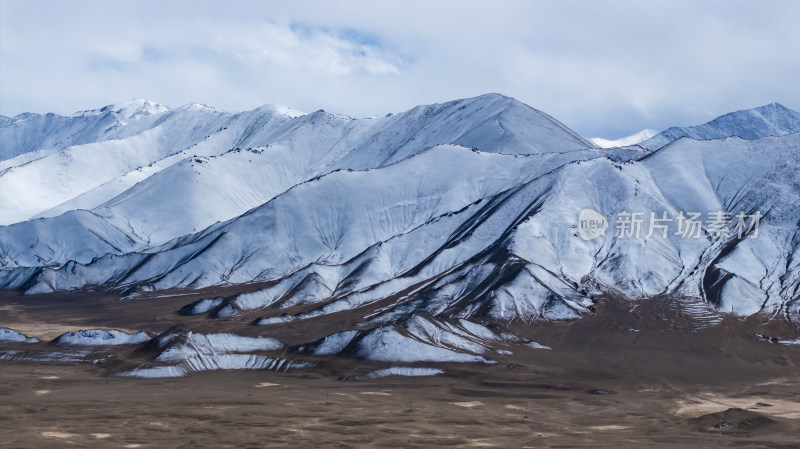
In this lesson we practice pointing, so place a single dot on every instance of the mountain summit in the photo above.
(773, 119)
(130, 110)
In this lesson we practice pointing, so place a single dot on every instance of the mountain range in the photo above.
(427, 225)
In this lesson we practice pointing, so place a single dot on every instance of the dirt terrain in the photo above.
(621, 378)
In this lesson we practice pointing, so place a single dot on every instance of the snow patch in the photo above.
(12, 336)
(206, 352)
(226, 311)
(202, 306)
(102, 337)
(401, 371)
(335, 343)
(211, 344)
(389, 345)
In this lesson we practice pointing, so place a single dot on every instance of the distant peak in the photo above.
(478, 100)
(633, 139)
(775, 107)
(278, 109)
(319, 113)
(769, 108)
(495, 95)
(196, 106)
(139, 108)
(129, 110)
(289, 112)
(773, 119)
(26, 115)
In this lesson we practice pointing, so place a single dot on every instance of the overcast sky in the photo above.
(605, 69)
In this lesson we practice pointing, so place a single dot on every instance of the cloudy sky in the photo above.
(603, 68)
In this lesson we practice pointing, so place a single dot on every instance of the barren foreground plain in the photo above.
(602, 385)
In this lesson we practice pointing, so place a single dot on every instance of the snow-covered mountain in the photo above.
(633, 139)
(422, 224)
(771, 120)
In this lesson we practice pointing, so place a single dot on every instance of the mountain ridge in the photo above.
(333, 214)
(772, 119)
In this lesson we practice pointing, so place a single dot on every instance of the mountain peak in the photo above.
(138, 108)
(491, 98)
(196, 106)
(128, 110)
(773, 106)
(772, 119)
(773, 110)
(25, 116)
(495, 96)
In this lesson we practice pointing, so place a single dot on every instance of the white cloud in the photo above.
(303, 48)
(604, 68)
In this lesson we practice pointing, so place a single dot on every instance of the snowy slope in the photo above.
(427, 224)
(102, 337)
(29, 132)
(222, 187)
(335, 217)
(11, 336)
(633, 139)
(363, 247)
(771, 120)
(217, 166)
(38, 185)
(78, 236)
(184, 351)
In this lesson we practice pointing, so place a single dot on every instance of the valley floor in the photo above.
(601, 386)
(75, 406)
